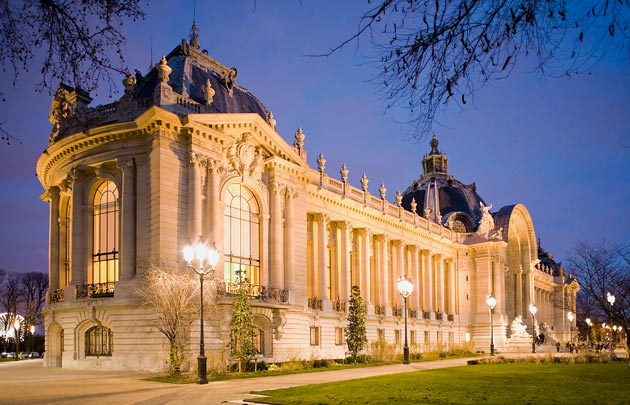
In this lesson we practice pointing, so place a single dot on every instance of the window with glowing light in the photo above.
(98, 341)
(106, 234)
(242, 235)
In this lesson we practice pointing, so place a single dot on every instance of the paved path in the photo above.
(28, 382)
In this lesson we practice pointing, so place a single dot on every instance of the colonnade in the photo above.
(341, 256)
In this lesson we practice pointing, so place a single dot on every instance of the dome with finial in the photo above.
(194, 72)
(441, 198)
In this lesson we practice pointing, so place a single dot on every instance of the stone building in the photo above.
(188, 152)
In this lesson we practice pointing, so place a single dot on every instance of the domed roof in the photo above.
(193, 71)
(438, 196)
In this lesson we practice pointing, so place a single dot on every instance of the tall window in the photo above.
(242, 235)
(259, 340)
(98, 341)
(106, 237)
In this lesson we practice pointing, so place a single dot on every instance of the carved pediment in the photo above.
(244, 157)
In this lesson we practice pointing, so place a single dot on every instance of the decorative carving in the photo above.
(163, 70)
(244, 157)
(60, 110)
(398, 198)
(208, 92)
(130, 84)
(427, 213)
(382, 190)
(229, 78)
(278, 322)
(518, 329)
(321, 163)
(364, 182)
(486, 224)
(271, 120)
(344, 173)
(414, 205)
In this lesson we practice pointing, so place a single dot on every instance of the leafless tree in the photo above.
(434, 52)
(10, 300)
(34, 288)
(174, 297)
(79, 42)
(603, 268)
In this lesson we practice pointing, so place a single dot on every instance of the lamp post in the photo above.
(405, 288)
(611, 300)
(570, 317)
(207, 260)
(492, 302)
(589, 323)
(32, 332)
(533, 310)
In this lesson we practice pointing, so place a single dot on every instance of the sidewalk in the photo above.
(28, 382)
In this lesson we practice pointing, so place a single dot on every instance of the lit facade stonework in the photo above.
(187, 152)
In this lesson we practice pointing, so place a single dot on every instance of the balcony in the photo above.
(413, 313)
(438, 316)
(379, 310)
(315, 303)
(339, 306)
(98, 290)
(426, 315)
(56, 296)
(397, 311)
(259, 292)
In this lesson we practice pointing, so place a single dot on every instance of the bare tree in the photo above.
(601, 269)
(174, 297)
(10, 300)
(34, 287)
(79, 42)
(431, 53)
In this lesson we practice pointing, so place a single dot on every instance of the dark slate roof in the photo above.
(454, 196)
(191, 68)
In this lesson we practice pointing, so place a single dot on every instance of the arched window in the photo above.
(98, 341)
(259, 340)
(106, 235)
(242, 235)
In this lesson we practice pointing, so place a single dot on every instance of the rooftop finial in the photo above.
(434, 146)
(194, 37)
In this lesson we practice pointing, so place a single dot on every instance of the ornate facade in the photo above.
(188, 152)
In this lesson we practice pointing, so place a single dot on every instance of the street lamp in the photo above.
(570, 317)
(589, 323)
(207, 260)
(533, 310)
(32, 332)
(405, 288)
(492, 302)
(611, 300)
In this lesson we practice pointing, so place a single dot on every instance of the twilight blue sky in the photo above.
(559, 146)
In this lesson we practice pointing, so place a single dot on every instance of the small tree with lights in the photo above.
(242, 325)
(356, 335)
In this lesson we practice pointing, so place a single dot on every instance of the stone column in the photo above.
(451, 287)
(53, 238)
(324, 275)
(79, 248)
(400, 269)
(415, 275)
(345, 287)
(366, 270)
(289, 241)
(194, 197)
(128, 219)
(213, 200)
(519, 292)
(384, 273)
(440, 289)
(275, 237)
(428, 284)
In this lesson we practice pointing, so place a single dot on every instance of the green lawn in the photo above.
(514, 383)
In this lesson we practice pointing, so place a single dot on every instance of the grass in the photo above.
(509, 383)
(299, 368)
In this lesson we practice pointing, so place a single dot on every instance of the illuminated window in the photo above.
(106, 235)
(242, 235)
(98, 341)
(314, 335)
(339, 332)
(259, 340)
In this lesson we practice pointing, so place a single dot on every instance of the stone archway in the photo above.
(55, 346)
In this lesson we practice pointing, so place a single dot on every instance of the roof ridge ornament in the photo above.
(194, 36)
